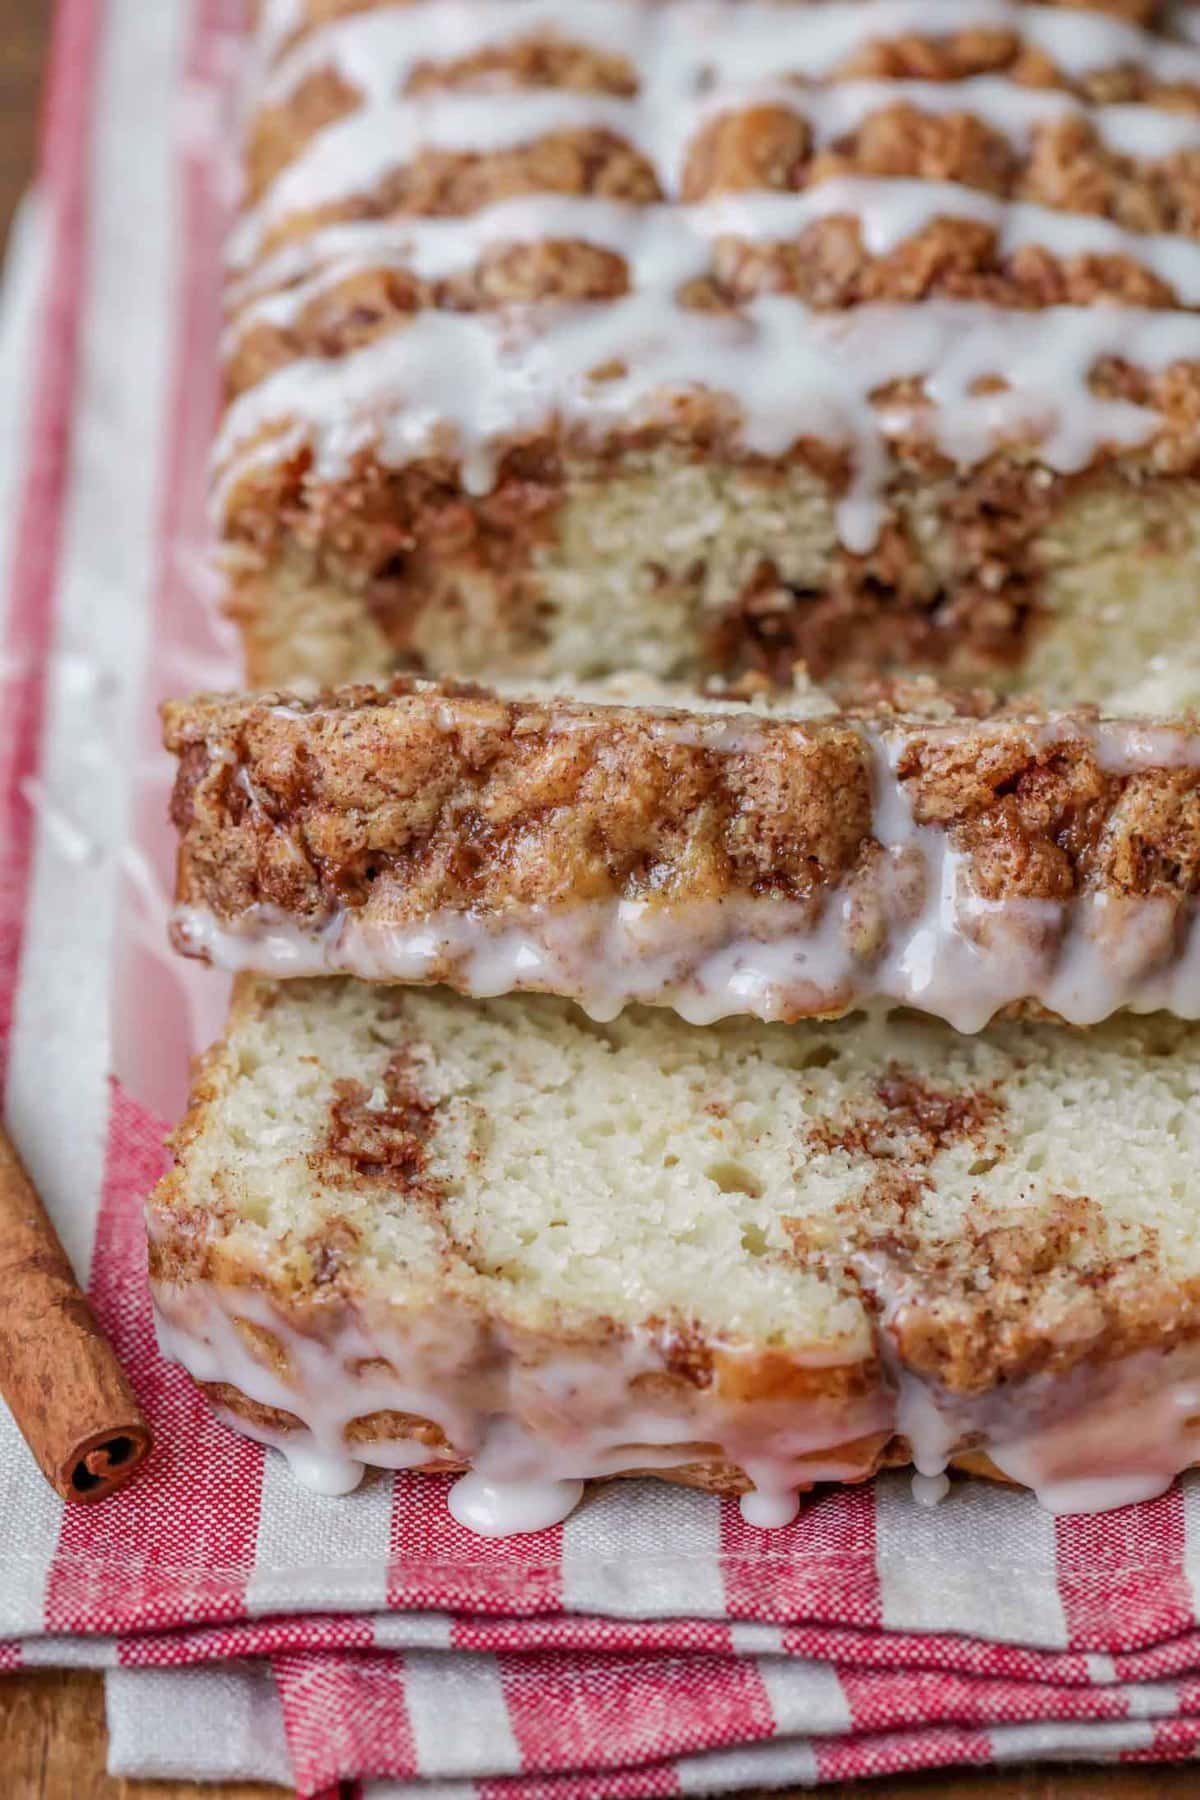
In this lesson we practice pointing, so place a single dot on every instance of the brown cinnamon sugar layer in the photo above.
(374, 513)
(489, 800)
(402, 801)
(765, 147)
(449, 183)
(279, 133)
(770, 148)
(1067, 166)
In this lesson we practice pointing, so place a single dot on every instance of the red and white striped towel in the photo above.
(654, 1643)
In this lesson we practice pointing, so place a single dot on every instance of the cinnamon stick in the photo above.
(58, 1373)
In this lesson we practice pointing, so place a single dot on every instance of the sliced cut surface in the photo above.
(409, 1230)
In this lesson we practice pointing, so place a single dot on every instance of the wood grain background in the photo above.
(52, 1723)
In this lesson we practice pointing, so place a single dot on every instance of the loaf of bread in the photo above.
(416, 1231)
(784, 857)
(697, 335)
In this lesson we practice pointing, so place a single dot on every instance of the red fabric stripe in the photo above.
(434, 1561)
(878, 1698)
(345, 1718)
(589, 1712)
(853, 1759)
(880, 1652)
(619, 1784)
(178, 1543)
(706, 1637)
(66, 129)
(260, 1637)
(928, 1650)
(1121, 1575)
(821, 1567)
(1172, 1739)
(184, 1536)
(903, 1699)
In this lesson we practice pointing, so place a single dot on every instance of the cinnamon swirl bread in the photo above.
(694, 335)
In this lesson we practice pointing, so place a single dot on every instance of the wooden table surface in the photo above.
(52, 1723)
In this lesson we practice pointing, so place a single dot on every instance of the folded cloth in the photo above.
(588, 1725)
(654, 1641)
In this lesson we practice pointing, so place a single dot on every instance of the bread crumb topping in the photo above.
(715, 862)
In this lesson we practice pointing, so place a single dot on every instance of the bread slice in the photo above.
(783, 859)
(408, 1230)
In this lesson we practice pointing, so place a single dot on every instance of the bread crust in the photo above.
(366, 812)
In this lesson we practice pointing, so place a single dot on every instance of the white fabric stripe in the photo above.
(1151, 1699)
(982, 1562)
(23, 1493)
(57, 1090)
(20, 293)
(413, 1631)
(749, 1639)
(1062, 1740)
(1102, 1671)
(334, 1552)
(768, 1765)
(806, 1697)
(220, 1724)
(69, 1653)
(632, 1561)
(458, 1716)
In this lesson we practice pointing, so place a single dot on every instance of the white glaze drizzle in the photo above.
(505, 1509)
(769, 1508)
(333, 1476)
(353, 155)
(675, 47)
(665, 246)
(961, 960)
(534, 1430)
(278, 20)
